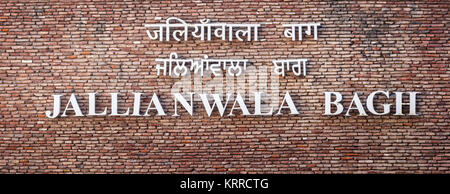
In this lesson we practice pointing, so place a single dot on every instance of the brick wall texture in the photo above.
(52, 47)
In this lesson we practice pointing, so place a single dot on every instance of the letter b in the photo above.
(336, 102)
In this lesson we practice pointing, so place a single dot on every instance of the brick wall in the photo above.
(50, 47)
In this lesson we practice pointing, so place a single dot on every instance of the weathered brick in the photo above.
(363, 46)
